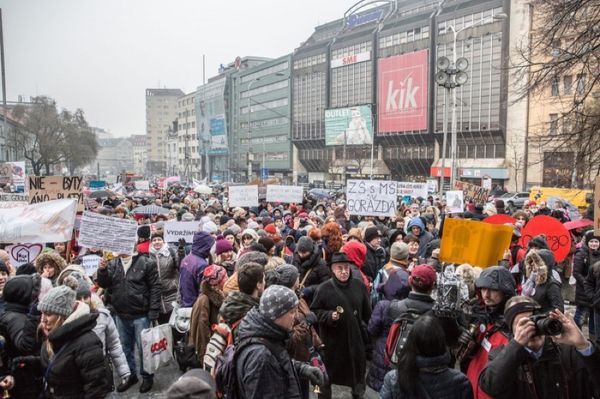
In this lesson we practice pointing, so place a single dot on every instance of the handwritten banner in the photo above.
(176, 230)
(50, 221)
(371, 197)
(415, 190)
(90, 263)
(20, 254)
(47, 188)
(473, 192)
(243, 196)
(108, 233)
(284, 194)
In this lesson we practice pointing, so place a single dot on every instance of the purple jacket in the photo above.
(192, 268)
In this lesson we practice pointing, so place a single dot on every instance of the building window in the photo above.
(567, 84)
(558, 169)
(554, 89)
(553, 124)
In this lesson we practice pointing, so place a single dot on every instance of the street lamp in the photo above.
(450, 76)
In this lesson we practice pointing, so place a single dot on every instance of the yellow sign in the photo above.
(476, 243)
(573, 195)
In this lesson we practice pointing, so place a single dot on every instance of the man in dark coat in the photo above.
(343, 310)
(135, 292)
(263, 367)
(311, 266)
(533, 365)
(584, 258)
(376, 255)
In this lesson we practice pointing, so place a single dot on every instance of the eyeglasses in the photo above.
(246, 238)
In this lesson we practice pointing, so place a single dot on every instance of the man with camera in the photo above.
(547, 357)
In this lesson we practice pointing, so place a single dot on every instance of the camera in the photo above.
(544, 325)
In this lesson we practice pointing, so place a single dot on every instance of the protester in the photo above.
(192, 268)
(416, 227)
(4, 273)
(309, 261)
(540, 284)
(586, 256)
(49, 265)
(167, 261)
(376, 254)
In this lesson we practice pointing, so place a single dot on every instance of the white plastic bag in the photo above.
(157, 347)
(180, 318)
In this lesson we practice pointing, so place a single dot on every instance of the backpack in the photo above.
(380, 278)
(226, 371)
(399, 332)
(220, 340)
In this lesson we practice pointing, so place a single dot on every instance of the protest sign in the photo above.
(473, 192)
(500, 219)
(90, 263)
(557, 235)
(455, 201)
(50, 221)
(46, 188)
(13, 197)
(176, 230)
(108, 233)
(19, 254)
(597, 207)
(415, 190)
(243, 196)
(142, 185)
(284, 194)
(371, 197)
(473, 242)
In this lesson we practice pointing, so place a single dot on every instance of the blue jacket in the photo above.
(192, 268)
(424, 237)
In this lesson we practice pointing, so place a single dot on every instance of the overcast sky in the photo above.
(101, 55)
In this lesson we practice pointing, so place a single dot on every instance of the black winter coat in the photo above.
(135, 294)
(77, 368)
(261, 373)
(345, 351)
(379, 327)
(582, 263)
(319, 271)
(561, 372)
(439, 381)
(374, 261)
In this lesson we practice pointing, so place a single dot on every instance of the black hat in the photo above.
(144, 231)
(340, 257)
(224, 219)
(371, 233)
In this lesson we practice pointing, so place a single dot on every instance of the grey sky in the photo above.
(100, 55)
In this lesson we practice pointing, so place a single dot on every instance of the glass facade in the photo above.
(308, 98)
(352, 84)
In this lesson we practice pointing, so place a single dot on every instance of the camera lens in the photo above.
(548, 326)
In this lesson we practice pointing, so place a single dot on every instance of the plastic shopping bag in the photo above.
(157, 347)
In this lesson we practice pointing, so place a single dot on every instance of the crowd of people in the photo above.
(285, 299)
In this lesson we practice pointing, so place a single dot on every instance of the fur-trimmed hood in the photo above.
(215, 296)
(51, 257)
(535, 263)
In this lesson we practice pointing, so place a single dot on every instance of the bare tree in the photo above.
(565, 42)
(516, 159)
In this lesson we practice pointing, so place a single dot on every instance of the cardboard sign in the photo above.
(500, 219)
(108, 233)
(473, 242)
(177, 230)
(90, 263)
(47, 188)
(285, 194)
(557, 236)
(371, 197)
(455, 201)
(19, 254)
(143, 185)
(415, 190)
(597, 207)
(241, 196)
(473, 192)
(50, 221)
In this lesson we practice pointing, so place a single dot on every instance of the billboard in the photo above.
(218, 138)
(210, 117)
(353, 125)
(402, 93)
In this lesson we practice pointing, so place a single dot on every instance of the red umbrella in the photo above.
(577, 224)
(500, 219)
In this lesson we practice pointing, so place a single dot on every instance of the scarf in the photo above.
(163, 251)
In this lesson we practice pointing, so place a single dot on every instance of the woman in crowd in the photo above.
(167, 262)
(49, 265)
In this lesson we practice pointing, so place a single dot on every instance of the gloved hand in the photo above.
(313, 374)
(311, 319)
(182, 243)
(152, 316)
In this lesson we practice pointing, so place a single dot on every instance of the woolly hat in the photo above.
(59, 300)
(276, 301)
(215, 274)
(187, 217)
(209, 227)
(144, 231)
(76, 281)
(223, 246)
(371, 233)
(251, 233)
(271, 229)
(254, 257)
(267, 242)
(195, 384)
(305, 244)
(399, 251)
(156, 234)
(228, 232)
(285, 275)
(224, 219)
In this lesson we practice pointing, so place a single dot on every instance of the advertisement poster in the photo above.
(402, 93)
(354, 125)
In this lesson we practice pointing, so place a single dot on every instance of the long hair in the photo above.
(334, 238)
(426, 339)
(49, 348)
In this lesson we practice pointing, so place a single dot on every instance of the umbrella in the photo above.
(150, 210)
(203, 189)
(320, 193)
(142, 194)
(573, 210)
(101, 194)
(578, 224)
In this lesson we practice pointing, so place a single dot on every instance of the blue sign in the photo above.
(357, 20)
(217, 126)
(264, 173)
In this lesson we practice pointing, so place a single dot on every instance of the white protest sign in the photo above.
(243, 196)
(50, 221)
(142, 185)
(284, 194)
(90, 263)
(19, 254)
(108, 233)
(455, 201)
(415, 190)
(14, 197)
(371, 197)
(176, 230)
(8, 205)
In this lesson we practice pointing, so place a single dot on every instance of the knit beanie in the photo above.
(276, 301)
(77, 282)
(271, 229)
(223, 246)
(305, 244)
(399, 251)
(59, 300)
(371, 233)
(224, 219)
(144, 231)
(187, 217)
(267, 242)
(215, 274)
(285, 275)
(252, 257)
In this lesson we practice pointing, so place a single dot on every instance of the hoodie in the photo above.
(356, 252)
(424, 236)
(540, 285)
(192, 268)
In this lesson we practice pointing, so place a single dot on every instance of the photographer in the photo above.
(536, 365)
